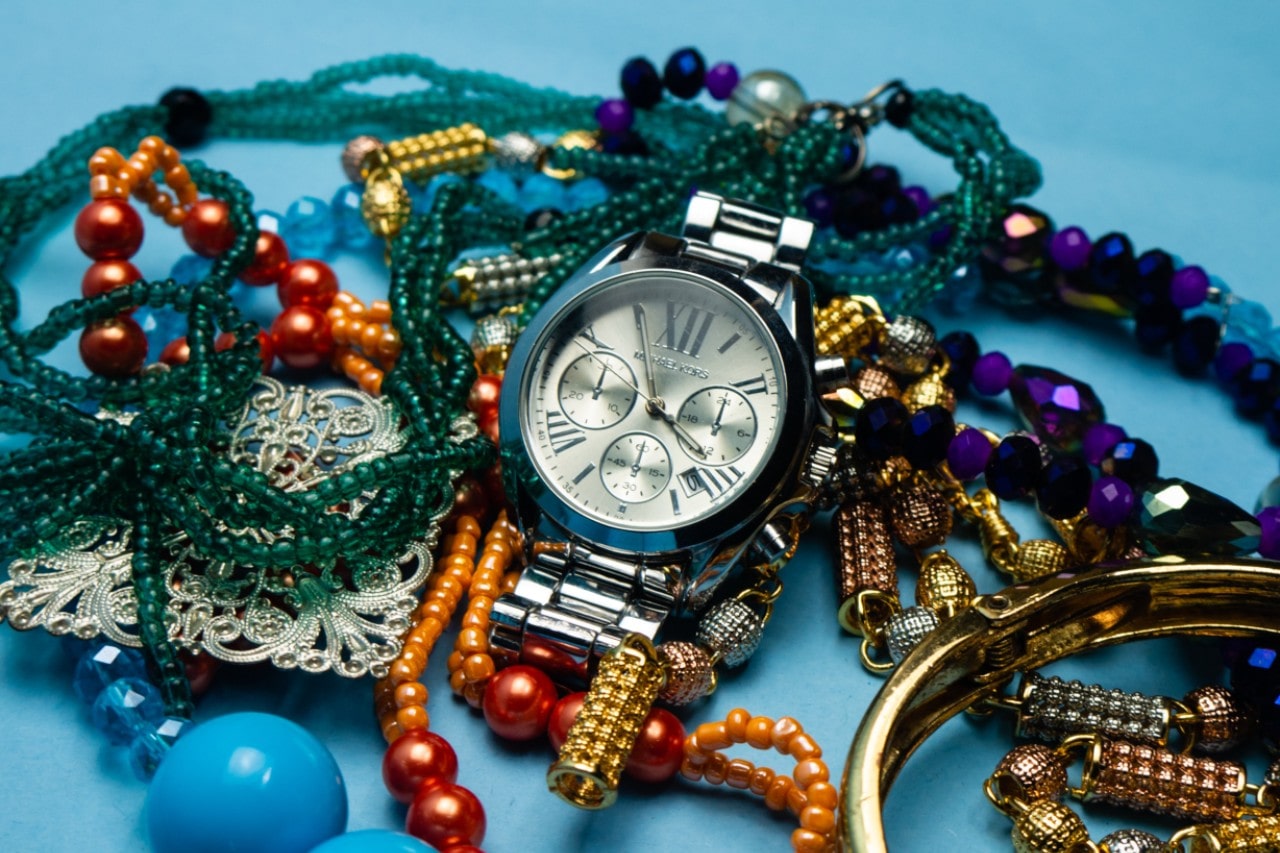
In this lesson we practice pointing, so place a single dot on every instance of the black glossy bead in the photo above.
(1154, 270)
(1195, 344)
(541, 218)
(1111, 264)
(898, 209)
(857, 210)
(1064, 486)
(881, 428)
(641, 85)
(629, 142)
(928, 435)
(1155, 325)
(1256, 387)
(897, 111)
(684, 73)
(1014, 467)
(1132, 460)
(881, 179)
(963, 351)
(190, 115)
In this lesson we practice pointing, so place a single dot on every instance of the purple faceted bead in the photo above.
(968, 453)
(1230, 360)
(1056, 407)
(991, 373)
(1100, 438)
(920, 198)
(1110, 501)
(615, 116)
(1188, 287)
(1269, 519)
(820, 206)
(722, 79)
(1069, 248)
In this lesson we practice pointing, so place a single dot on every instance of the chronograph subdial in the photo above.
(722, 421)
(636, 467)
(594, 392)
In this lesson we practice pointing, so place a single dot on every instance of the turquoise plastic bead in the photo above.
(373, 841)
(102, 663)
(308, 228)
(248, 783)
(540, 191)
(350, 232)
(587, 192)
(501, 183)
(125, 707)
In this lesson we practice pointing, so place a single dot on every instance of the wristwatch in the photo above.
(659, 426)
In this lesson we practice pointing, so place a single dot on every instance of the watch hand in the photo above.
(609, 367)
(596, 391)
(715, 425)
(643, 324)
(635, 467)
(683, 434)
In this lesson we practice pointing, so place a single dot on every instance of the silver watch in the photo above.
(657, 418)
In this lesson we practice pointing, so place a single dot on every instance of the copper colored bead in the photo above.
(354, 154)
(921, 517)
(1149, 778)
(690, 673)
(207, 228)
(114, 348)
(1048, 827)
(1223, 722)
(105, 276)
(872, 382)
(865, 558)
(108, 229)
(1034, 772)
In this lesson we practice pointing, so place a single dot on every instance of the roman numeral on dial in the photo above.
(562, 433)
(713, 481)
(755, 385)
(590, 334)
(686, 330)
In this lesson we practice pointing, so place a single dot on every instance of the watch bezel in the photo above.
(796, 415)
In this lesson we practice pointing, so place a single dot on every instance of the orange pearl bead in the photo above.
(108, 229)
(308, 282)
(105, 276)
(818, 819)
(270, 261)
(301, 337)
(412, 717)
(207, 228)
(807, 841)
(736, 724)
(176, 352)
(760, 732)
(114, 348)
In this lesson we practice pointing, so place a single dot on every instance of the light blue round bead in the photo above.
(102, 663)
(308, 228)
(350, 232)
(587, 192)
(540, 191)
(246, 783)
(125, 707)
(500, 183)
(373, 841)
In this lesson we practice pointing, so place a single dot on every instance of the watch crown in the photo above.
(821, 461)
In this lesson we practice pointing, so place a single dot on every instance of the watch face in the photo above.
(652, 400)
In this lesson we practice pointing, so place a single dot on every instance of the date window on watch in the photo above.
(712, 481)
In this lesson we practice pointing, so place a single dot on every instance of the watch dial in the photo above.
(652, 400)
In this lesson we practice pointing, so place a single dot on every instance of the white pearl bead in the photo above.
(762, 95)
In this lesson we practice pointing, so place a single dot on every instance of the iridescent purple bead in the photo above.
(1231, 359)
(1110, 501)
(968, 453)
(1069, 248)
(1057, 407)
(1099, 439)
(1188, 287)
(721, 80)
(962, 349)
(920, 198)
(614, 115)
(991, 373)
(1269, 520)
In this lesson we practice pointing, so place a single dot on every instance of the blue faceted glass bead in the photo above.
(587, 192)
(641, 83)
(190, 269)
(1256, 387)
(246, 782)
(963, 288)
(125, 707)
(424, 198)
(160, 325)
(684, 73)
(1250, 322)
(1014, 467)
(150, 746)
(269, 220)
(542, 191)
(103, 663)
(309, 228)
(350, 231)
(500, 183)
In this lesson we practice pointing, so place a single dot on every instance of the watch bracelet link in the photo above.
(573, 604)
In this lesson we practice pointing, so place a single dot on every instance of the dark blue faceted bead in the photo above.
(848, 155)
(1256, 671)
(1111, 264)
(898, 209)
(881, 179)
(820, 206)
(1256, 387)
(881, 428)
(963, 351)
(629, 142)
(1195, 344)
(1065, 484)
(641, 85)
(1132, 460)
(1232, 357)
(684, 73)
(1271, 420)
(1154, 271)
(899, 107)
(928, 435)
(1014, 467)
(857, 210)
(1155, 325)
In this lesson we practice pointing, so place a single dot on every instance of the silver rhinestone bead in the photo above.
(906, 629)
(731, 629)
(517, 152)
(353, 154)
(909, 345)
(764, 97)
(1131, 841)
(492, 332)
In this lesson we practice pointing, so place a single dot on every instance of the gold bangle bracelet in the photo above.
(970, 657)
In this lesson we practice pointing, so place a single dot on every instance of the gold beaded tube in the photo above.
(597, 746)
(1247, 835)
(461, 150)
(865, 560)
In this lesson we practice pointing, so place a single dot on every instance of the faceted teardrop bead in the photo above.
(1178, 517)
(1056, 407)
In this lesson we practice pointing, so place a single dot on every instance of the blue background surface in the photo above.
(1154, 119)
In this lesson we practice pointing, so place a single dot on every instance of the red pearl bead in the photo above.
(415, 757)
(659, 748)
(446, 815)
(108, 229)
(207, 228)
(301, 337)
(562, 717)
(105, 276)
(176, 352)
(114, 348)
(484, 395)
(518, 701)
(266, 349)
(463, 848)
(270, 261)
(308, 282)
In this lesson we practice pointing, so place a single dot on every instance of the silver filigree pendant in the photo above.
(346, 617)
